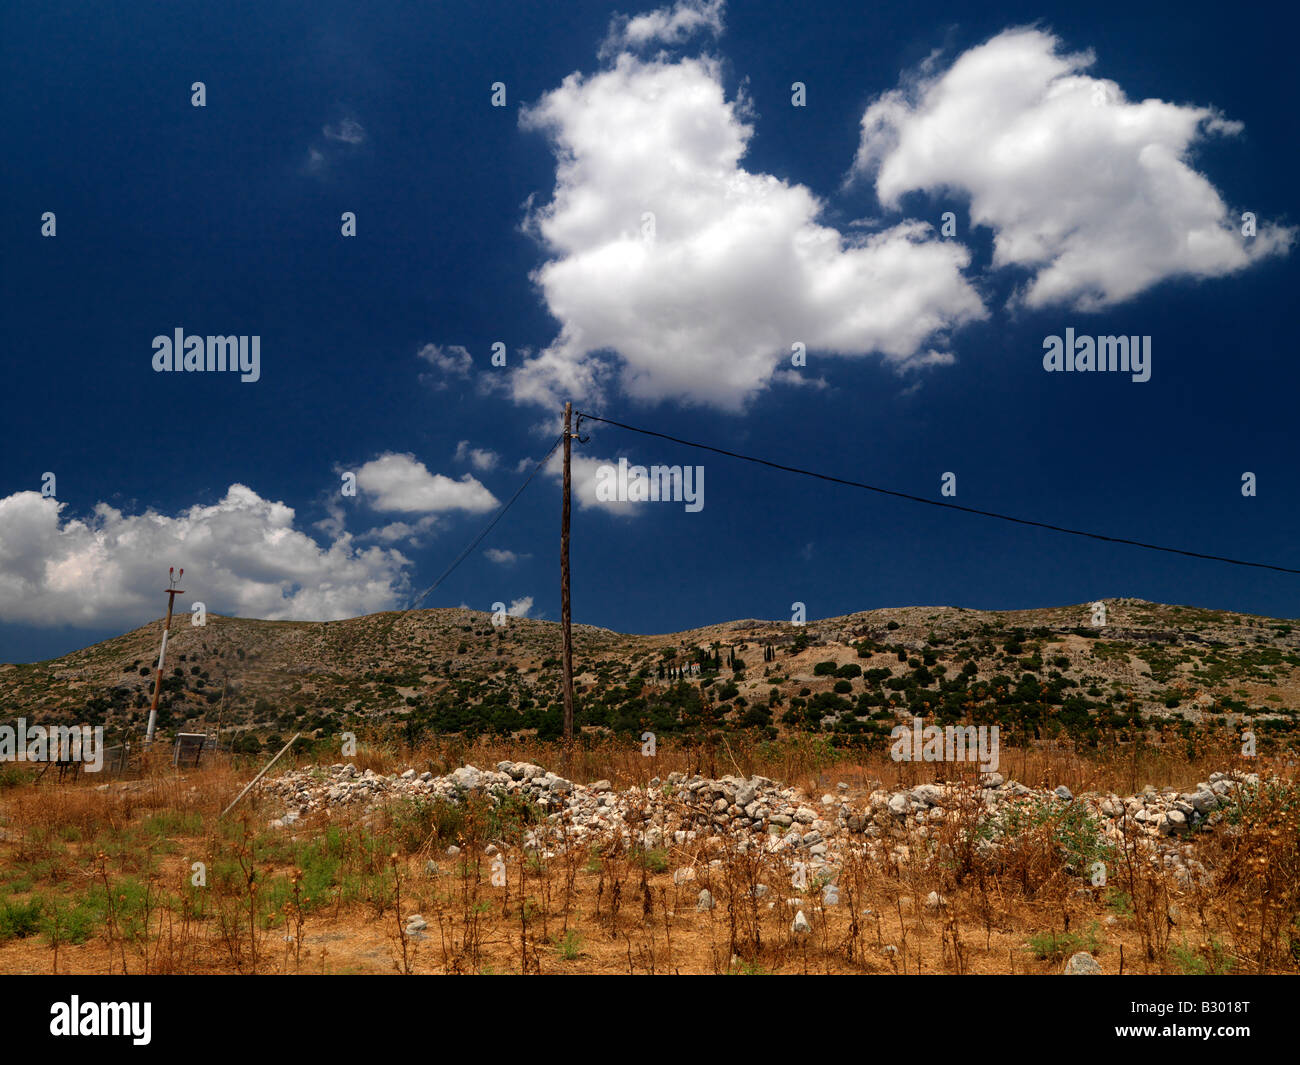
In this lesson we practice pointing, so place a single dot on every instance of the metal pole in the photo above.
(172, 593)
(565, 614)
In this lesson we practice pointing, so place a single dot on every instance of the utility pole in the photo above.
(565, 616)
(172, 593)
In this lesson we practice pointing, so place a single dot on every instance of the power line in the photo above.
(487, 529)
(937, 502)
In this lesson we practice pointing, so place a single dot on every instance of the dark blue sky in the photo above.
(212, 219)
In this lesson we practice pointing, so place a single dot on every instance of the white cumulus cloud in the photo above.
(585, 473)
(242, 556)
(1092, 192)
(400, 482)
(739, 268)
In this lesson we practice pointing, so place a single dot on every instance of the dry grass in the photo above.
(100, 879)
(806, 761)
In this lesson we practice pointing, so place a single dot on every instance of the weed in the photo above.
(569, 946)
(18, 920)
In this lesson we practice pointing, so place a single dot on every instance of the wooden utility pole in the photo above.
(172, 593)
(565, 616)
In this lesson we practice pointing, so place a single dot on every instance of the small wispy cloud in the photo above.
(503, 557)
(480, 458)
(450, 360)
(341, 138)
(315, 163)
(411, 533)
(349, 131)
(669, 26)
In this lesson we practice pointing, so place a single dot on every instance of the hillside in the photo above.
(1034, 672)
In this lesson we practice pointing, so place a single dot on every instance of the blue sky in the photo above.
(1103, 196)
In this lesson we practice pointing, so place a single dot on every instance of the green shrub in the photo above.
(569, 948)
(654, 861)
(11, 776)
(1056, 946)
(1074, 832)
(18, 920)
(1211, 960)
(68, 923)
